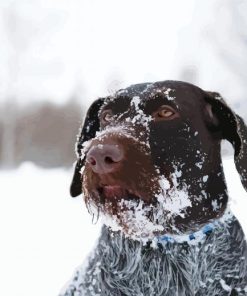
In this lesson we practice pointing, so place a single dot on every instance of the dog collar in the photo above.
(190, 238)
(196, 237)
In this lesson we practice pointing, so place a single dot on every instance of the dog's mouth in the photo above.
(114, 193)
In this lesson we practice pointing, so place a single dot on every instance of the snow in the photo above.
(173, 200)
(140, 116)
(168, 96)
(136, 101)
(141, 227)
(225, 286)
(45, 234)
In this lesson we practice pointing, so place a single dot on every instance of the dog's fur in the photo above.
(168, 185)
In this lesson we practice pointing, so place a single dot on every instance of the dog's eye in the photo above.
(107, 116)
(165, 113)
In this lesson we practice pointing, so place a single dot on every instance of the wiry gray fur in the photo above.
(120, 266)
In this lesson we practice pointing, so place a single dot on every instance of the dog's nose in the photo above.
(104, 158)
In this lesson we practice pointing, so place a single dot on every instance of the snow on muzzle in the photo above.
(118, 166)
(121, 182)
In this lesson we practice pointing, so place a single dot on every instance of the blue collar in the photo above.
(198, 235)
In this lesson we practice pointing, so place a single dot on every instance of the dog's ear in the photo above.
(88, 130)
(232, 128)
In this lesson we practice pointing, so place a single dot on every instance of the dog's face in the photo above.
(150, 158)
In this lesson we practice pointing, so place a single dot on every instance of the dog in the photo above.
(149, 165)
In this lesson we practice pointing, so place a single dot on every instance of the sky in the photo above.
(51, 49)
(57, 49)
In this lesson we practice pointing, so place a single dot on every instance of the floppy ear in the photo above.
(241, 159)
(233, 129)
(88, 130)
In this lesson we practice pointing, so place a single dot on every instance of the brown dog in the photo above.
(149, 163)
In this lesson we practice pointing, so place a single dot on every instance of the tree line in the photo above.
(43, 133)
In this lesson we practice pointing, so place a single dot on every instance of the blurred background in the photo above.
(56, 57)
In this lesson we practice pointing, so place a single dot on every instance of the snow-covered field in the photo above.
(45, 234)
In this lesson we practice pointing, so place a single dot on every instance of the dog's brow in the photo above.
(119, 104)
(154, 103)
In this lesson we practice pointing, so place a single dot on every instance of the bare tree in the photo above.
(20, 33)
(15, 29)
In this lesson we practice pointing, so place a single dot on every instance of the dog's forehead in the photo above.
(179, 94)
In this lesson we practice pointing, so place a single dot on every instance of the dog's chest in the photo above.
(120, 266)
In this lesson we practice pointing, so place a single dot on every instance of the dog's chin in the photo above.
(139, 218)
(126, 211)
(116, 193)
(135, 220)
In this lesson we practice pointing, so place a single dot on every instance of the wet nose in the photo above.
(105, 158)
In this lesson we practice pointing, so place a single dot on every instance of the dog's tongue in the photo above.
(114, 192)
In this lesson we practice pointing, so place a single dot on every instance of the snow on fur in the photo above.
(122, 266)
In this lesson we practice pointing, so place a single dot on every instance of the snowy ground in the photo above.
(45, 234)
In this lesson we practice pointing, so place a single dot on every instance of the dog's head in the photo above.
(149, 157)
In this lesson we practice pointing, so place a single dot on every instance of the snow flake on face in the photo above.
(136, 215)
(205, 178)
(173, 201)
(204, 194)
(107, 100)
(122, 92)
(82, 170)
(114, 130)
(216, 206)
(139, 219)
(199, 164)
(177, 174)
(140, 116)
(218, 97)
(119, 131)
(164, 184)
(111, 221)
(146, 89)
(167, 94)
(100, 146)
(165, 91)
(85, 147)
(135, 101)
